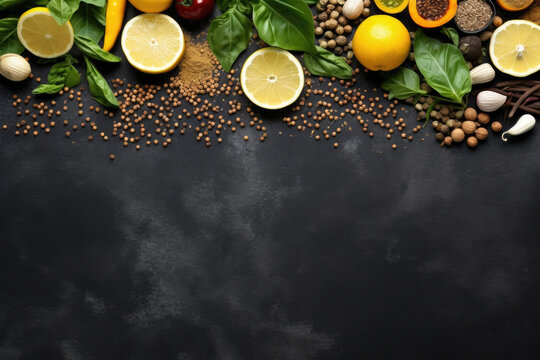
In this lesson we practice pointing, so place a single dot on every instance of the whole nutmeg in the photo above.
(451, 123)
(483, 118)
(322, 16)
(496, 126)
(458, 135)
(445, 129)
(319, 31)
(470, 113)
(331, 44)
(497, 21)
(481, 133)
(468, 127)
(472, 141)
(439, 136)
(447, 140)
(329, 34)
(334, 15)
(331, 24)
(341, 40)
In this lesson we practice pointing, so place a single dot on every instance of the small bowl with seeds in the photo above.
(474, 16)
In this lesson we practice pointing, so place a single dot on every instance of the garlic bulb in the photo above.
(489, 101)
(524, 124)
(481, 74)
(14, 67)
(353, 9)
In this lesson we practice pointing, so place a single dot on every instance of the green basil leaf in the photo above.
(243, 6)
(21, 5)
(452, 35)
(98, 3)
(86, 22)
(9, 41)
(326, 63)
(99, 88)
(64, 72)
(443, 67)
(402, 83)
(48, 89)
(92, 49)
(311, 2)
(229, 35)
(62, 10)
(287, 24)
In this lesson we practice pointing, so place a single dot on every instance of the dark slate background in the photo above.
(286, 249)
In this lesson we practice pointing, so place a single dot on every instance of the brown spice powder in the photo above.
(198, 66)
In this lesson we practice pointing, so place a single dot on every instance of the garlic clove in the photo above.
(481, 74)
(353, 9)
(524, 124)
(489, 101)
(14, 67)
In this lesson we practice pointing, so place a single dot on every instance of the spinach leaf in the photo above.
(443, 67)
(86, 21)
(9, 41)
(48, 89)
(92, 49)
(287, 24)
(402, 83)
(229, 35)
(326, 63)
(451, 34)
(62, 10)
(98, 3)
(311, 2)
(99, 88)
(243, 6)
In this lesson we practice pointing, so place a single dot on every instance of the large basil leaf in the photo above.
(326, 63)
(61, 74)
(86, 21)
(287, 24)
(62, 10)
(402, 83)
(9, 41)
(98, 3)
(229, 35)
(244, 6)
(92, 49)
(443, 67)
(99, 88)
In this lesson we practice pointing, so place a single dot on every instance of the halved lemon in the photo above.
(515, 48)
(42, 36)
(272, 78)
(153, 43)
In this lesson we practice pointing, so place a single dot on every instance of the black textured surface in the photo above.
(286, 249)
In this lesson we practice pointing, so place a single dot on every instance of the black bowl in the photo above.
(490, 3)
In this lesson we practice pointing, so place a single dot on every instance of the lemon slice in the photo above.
(272, 78)
(42, 36)
(153, 43)
(515, 48)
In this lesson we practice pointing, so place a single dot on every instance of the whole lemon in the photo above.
(151, 6)
(381, 42)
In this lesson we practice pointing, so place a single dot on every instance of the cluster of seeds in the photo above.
(333, 28)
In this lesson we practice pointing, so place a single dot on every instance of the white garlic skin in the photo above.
(482, 74)
(14, 67)
(489, 101)
(353, 9)
(524, 124)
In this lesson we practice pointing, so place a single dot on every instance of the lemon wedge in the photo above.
(515, 48)
(153, 43)
(42, 36)
(272, 78)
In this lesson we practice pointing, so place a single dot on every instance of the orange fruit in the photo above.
(381, 42)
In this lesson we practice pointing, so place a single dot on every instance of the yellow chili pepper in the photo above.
(114, 18)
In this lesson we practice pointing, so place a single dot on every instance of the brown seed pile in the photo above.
(432, 9)
(472, 15)
(155, 114)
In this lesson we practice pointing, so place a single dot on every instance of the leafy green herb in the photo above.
(243, 6)
(287, 24)
(99, 88)
(62, 10)
(61, 74)
(92, 49)
(451, 34)
(21, 4)
(402, 83)
(326, 62)
(229, 35)
(9, 42)
(89, 21)
(443, 67)
(98, 3)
